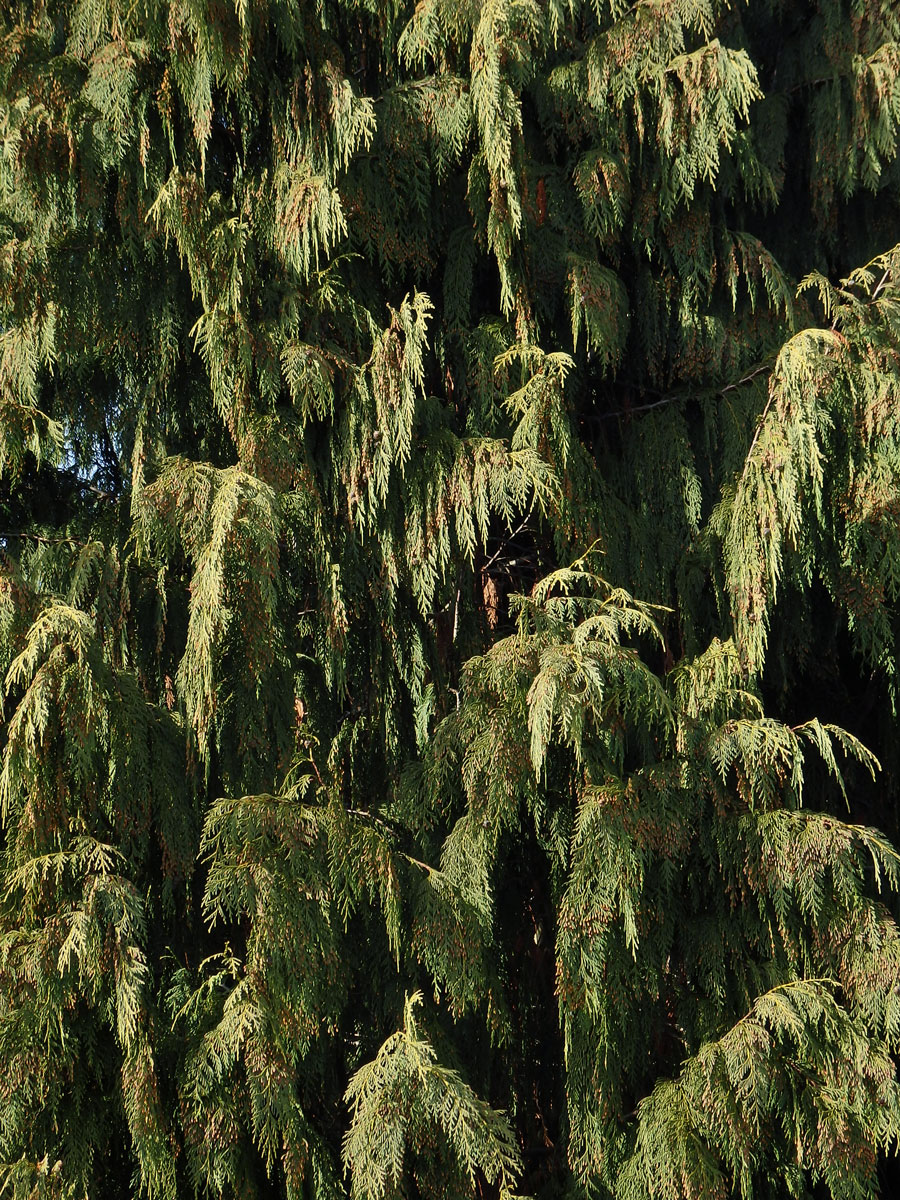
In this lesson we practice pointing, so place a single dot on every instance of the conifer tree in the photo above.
(449, 562)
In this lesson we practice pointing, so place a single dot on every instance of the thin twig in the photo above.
(522, 524)
(39, 537)
(762, 421)
(673, 396)
(760, 370)
(376, 820)
(882, 283)
(626, 412)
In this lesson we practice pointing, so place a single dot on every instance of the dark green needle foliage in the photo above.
(449, 576)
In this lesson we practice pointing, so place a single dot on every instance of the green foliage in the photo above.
(449, 456)
(404, 1096)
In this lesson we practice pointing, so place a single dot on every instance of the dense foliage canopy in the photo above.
(449, 496)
